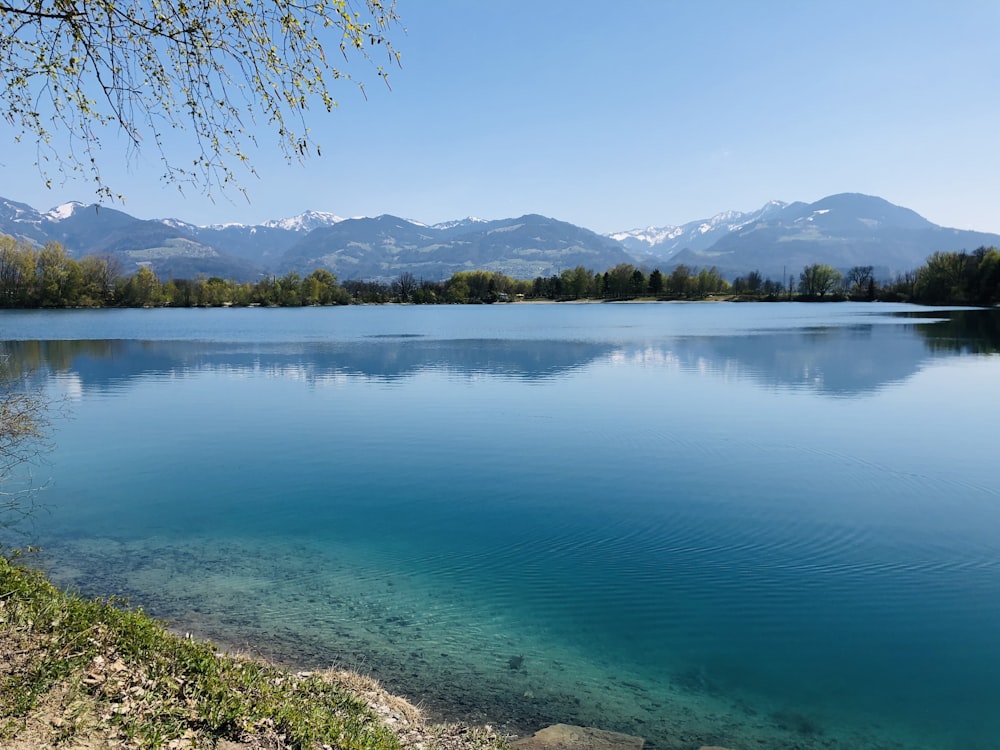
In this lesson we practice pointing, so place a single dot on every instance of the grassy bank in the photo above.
(80, 673)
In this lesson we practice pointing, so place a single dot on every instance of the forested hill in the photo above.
(841, 231)
(49, 277)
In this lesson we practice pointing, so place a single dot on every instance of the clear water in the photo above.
(742, 525)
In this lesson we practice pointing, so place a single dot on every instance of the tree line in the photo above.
(49, 277)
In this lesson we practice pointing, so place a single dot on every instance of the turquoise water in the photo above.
(743, 525)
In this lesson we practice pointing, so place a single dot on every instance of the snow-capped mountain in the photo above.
(662, 243)
(842, 230)
(178, 224)
(385, 246)
(63, 211)
(468, 221)
(21, 221)
(642, 239)
(171, 247)
(305, 222)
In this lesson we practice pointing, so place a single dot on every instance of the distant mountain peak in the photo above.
(19, 212)
(725, 216)
(63, 211)
(666, 240)
(650, 235)
(178, 224)
(843, 230)
(466, 222)
(305, 221)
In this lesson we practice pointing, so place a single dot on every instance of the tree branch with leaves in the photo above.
(75, 73)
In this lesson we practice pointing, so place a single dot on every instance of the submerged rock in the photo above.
(569, 737)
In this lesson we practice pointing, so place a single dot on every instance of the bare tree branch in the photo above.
(23, 433)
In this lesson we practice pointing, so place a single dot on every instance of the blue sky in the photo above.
(629, 114)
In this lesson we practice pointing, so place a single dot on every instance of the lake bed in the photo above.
(731, 524)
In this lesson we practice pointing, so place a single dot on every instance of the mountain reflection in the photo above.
(837, 360)
(110, 364)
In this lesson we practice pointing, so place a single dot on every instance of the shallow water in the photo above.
(744, 525)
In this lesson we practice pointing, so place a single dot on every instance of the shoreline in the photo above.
(449, 682)
(434, 687)
(432, 706)
(515, 703)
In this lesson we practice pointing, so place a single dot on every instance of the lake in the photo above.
(748, 525)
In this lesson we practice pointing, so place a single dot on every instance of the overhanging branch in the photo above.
(27, 12)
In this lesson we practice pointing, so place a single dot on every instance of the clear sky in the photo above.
(615, 115)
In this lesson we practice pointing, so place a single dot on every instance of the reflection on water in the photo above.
(707, 525)
(844, 359)
(963, 331)
(111, 364)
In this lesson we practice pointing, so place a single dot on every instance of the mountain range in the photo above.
(842, 230)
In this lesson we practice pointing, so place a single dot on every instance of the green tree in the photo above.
(656, 282)
(457, 289)
(960, 278)
(77, 73)
(577, 282)
(142, 289)
(818, 280)
(321, 288)
(429, 293)
(58, 277)
(639, 282)
(180, 293)
(772, 288)
(710, 281)
(598, 285)
(214, 292)
(942, 279)
(289, 288)
(620, 281)
(99, 276)
(479, 286)
(266, 291)
(986, 289)
(17, 273)
(677, 282)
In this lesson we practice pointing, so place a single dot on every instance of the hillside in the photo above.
(842, 230)
(386, 246)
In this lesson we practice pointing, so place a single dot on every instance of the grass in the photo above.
(95, 673)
